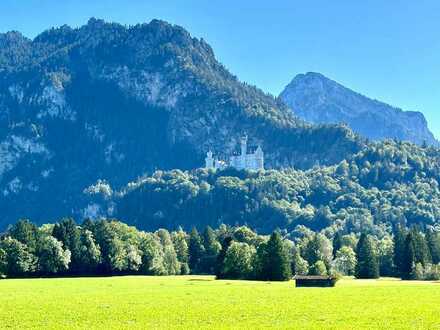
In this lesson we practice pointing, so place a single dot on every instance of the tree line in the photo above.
(110, 247)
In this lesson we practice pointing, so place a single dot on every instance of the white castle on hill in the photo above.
(248, 161)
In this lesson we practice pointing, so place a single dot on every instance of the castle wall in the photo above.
(254, 161)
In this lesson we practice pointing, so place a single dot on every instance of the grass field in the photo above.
(195, 302)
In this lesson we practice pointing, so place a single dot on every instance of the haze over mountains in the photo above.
(106, 101)
(318, 99)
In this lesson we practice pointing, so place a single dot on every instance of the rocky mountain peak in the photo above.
(111, 102)
(318, 99)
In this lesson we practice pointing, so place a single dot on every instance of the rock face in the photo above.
(318, 99)
(112, 103)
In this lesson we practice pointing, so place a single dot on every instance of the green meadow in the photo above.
(200, 302)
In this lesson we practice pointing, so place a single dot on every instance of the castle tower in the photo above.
(242, 163)
(259, 158)
(209, 160)
(243, 141)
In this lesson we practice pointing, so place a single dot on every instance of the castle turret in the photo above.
(243, 142)
(259, 158)
(209, 160)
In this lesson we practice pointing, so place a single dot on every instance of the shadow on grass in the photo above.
(200, 280)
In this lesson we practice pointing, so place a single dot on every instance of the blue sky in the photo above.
(385, 49)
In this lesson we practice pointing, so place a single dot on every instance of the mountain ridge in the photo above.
(318, 99)
(109, 102)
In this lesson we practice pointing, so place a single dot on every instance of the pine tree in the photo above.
(367, 263)
(195, 250)
(433, 241)
(399, 249)
(275, 261)
(27, 233)
(68, 233)
(209, 241)
(212, 248)
(421, 249)
(409, 258)
(227, 241)
(337, 243)
(312, 250)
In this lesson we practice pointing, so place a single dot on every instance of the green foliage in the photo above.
(399, 249)
(152, 255)
(385, 254)
(433, 241)
(196, 249)
(219, 271)
(89, 253)
(19, 261)
(367, 265)
(238, 262)
(3, 262)
(27, 233)
(318, 248)
(409, 258)
(299, 265)
(421, 249)
(318, 268)
(67, 232)
(52, 258)
(337, 243)
(274, 260)
(345, 261)
(404, 192)
(212, 248)
(179, 239)
(110, 247)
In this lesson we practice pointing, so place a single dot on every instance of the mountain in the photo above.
(110, 102)
(317, 99)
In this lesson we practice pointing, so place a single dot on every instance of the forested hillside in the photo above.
(384, 185)
(111, 102)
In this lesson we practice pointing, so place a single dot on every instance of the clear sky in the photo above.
(385, 49)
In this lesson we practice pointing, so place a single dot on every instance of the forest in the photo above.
(384, 185)
(110, 247)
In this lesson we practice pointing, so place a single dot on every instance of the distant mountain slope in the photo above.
(106, 101)
(318, 99)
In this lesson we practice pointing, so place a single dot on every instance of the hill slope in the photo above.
(318, 99)
(386, 184)
(106, 101)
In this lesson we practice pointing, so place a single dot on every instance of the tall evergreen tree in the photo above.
(399, 249)
(367, 265)
(210, 243)
(337, 243)
(433, 241)
(90, 253)
(421, 249)
(27, 233)
(312, 250)
(67, 232)
(409, 258)
(196, 250)
(181, 246)
(275, 261)
(227, 241)
(212, 248)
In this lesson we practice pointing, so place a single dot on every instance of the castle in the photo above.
(248, 161)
